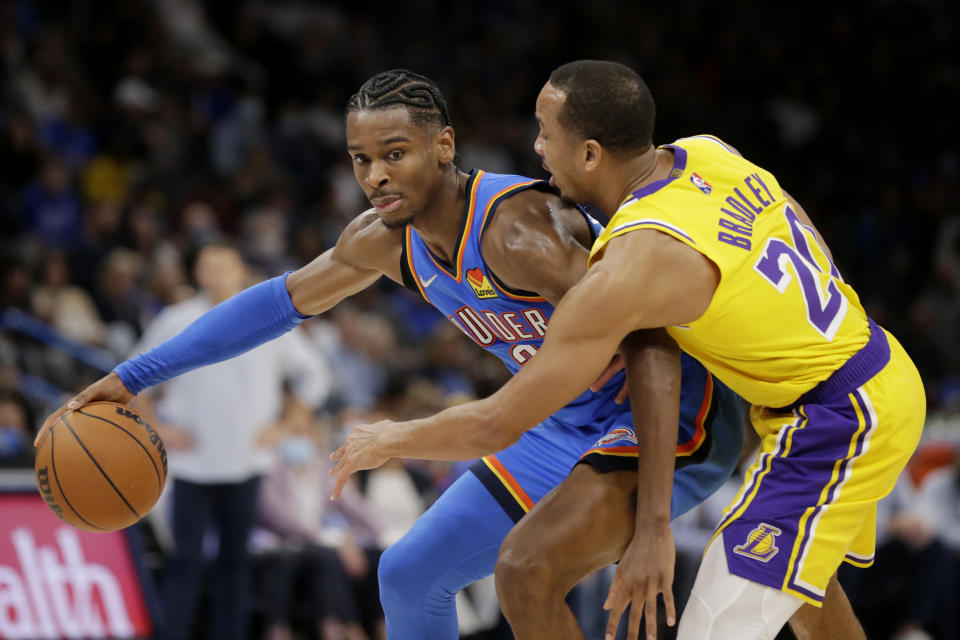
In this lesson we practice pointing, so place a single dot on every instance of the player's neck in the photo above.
(636, 173)
(440, 222)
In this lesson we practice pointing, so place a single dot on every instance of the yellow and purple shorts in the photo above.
(809, 501)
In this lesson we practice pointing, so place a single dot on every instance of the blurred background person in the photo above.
(909, 593)
(211, 421)
(67, 307)
(330, 548)
(16, 430)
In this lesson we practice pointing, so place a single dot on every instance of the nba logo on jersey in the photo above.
(481, 286)
(700, 183)
(760, 544)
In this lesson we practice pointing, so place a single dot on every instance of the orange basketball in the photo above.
(101, 467)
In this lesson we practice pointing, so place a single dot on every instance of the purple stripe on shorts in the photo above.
(792, 486)
(861, 560)
(832, 493)
(760, 471)
(810, 594)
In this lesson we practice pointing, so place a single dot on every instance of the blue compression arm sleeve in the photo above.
(248, 319)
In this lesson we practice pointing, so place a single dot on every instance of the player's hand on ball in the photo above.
(644, 572)
(109, 388)
(359, 452)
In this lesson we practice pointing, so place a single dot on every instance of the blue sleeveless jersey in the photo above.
(511, 324)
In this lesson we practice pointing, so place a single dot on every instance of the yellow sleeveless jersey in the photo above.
(782, 319)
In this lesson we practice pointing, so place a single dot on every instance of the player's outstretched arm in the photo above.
(365, 251)
(645, 280)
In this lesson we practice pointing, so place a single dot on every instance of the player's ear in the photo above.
(592, 153)
(446, 145)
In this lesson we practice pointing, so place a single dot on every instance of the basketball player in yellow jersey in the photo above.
(709, 246)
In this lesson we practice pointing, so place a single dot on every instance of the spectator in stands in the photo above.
(909, 592)
(16, 430)
(50, 204)
(121, 300)
(332, 547)
(19, 152)
(210, 421)
(939, 499)
(65, 306)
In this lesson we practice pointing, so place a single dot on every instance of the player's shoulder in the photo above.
(367, 242)
(705, 141)
(530, 216)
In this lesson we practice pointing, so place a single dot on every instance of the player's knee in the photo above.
(521, 572)
(400, 576)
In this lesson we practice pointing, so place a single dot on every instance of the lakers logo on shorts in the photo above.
(760, 544)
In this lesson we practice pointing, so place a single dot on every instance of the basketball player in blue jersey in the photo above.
(494, 253)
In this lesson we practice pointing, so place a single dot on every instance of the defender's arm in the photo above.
(645, 279)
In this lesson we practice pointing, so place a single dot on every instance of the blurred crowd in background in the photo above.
(133, 133)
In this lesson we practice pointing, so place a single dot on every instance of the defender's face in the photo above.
(557, 147)
(395, 161)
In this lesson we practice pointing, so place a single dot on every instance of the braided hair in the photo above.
(399, 87)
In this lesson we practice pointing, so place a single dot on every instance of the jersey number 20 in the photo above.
(826, 306)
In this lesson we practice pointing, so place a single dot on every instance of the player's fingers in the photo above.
(338, 487)
(668, 604)
(91, 393)
(342, 472)
(52, 420)
(336, 455)
(623, 394)
(650, 608)
(636, 615)
(42, 433)
(45, 427)
(617, 601)
(613, 623)
(615, 365)
(614, 593)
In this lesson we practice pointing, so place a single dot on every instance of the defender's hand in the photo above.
(109, 388)
(358, 452)
(645, 570)
(615, 366)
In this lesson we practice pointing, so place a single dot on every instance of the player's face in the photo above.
(557, 147)
(396, 162)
